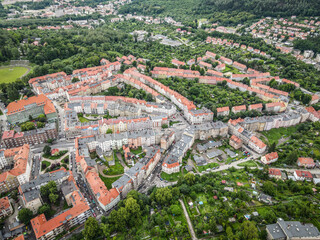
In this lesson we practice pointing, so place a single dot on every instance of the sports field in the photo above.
(10, 74)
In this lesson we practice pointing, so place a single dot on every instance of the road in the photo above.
(193, 235)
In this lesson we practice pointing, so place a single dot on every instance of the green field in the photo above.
(11, 74)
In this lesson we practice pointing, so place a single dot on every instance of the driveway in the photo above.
(193, 235)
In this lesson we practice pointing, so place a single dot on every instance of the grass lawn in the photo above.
(209, 165)
(171, 177)
(11, 74)
(248, 164)
(173, 122)
(59, 155)
(275, 134)
(114, 170)
(47, 164)
(83, 119)
(136, 151)
(108, 181)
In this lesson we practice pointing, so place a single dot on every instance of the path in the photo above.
(121, 160)
(193, 235)
(101, 168)
(282, 140)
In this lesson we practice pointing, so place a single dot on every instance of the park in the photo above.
(10, 74)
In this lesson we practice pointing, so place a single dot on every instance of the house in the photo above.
(292, 230)
(235, 142)
(237, 109)
(306, 162)
(275, 173)
(5, 207)
(177, 63)
(220, 67)
(223, 111)
(265, 198)
(256, 107)
(200, 161)
(269, 158)
(303, 175)
(239, 66)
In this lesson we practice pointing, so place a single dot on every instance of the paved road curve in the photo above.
(193, 235)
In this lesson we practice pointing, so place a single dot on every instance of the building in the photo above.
(237, 109)
(292, 230)
(167, 140)
(20, 173)
(37, 136)
(275, 173)
(5, 207)
(223, 111)
(302, 175)
(30, 191)
(235, 142)
(48, 229)
(21, 110)
(256, 107)
(269, 158)
(171, 165)
(306, 162)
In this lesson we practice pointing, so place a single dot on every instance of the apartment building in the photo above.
(20, 173)
(41, 135)
(20, 111)
(5, 207)
(269, 158)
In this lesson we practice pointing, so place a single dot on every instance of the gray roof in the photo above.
(292, 229)
(200, 161)
(214, 153)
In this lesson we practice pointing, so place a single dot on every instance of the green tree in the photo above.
(163, 195)
(45, 208)
(109, 131)
(91, 229)
(176, 210)
(25, 215)
(53, 197)
(47, 150)
(269, 188)
(190, 178)
(249, 230)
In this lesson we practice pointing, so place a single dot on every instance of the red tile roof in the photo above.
(40, 100)
(271, 156)
(274, 172)
(305, 174)
(223, 109)
(306, 161)
(4, 203)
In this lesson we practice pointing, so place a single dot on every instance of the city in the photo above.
(131, 125)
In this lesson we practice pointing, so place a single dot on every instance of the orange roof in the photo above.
(303, 161)
(274, 172)
(223, 109)
(172, 165)
(305, 174)
(271, 156)
(98, 187)
(235, 139)
(255, 106)
(21, 160)
(40, 100)
(20, 237)
(239, 108)
(258, 142)
(4, 203)
(41, 226)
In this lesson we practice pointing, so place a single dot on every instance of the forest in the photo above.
(225, 11)
(311, 43)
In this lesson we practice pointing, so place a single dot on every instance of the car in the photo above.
(19, 207)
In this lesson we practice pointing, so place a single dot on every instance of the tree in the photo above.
(269, 188)
(53, 197)
(229, 233)
(164, 126)
(190, 178)
(176, 210)
(47, 150)
(272, 147)
(213, 225)
(249, 230)
(75, 79)
(109, 131)
(163, 195)
(45, 208)
(91, 229)
(25, 215)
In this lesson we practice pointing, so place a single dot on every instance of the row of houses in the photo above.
(203, 131)
(131, 179)
(11, 139)
(76, 215)
(21, 158)
(84, 81)
(192, 114)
